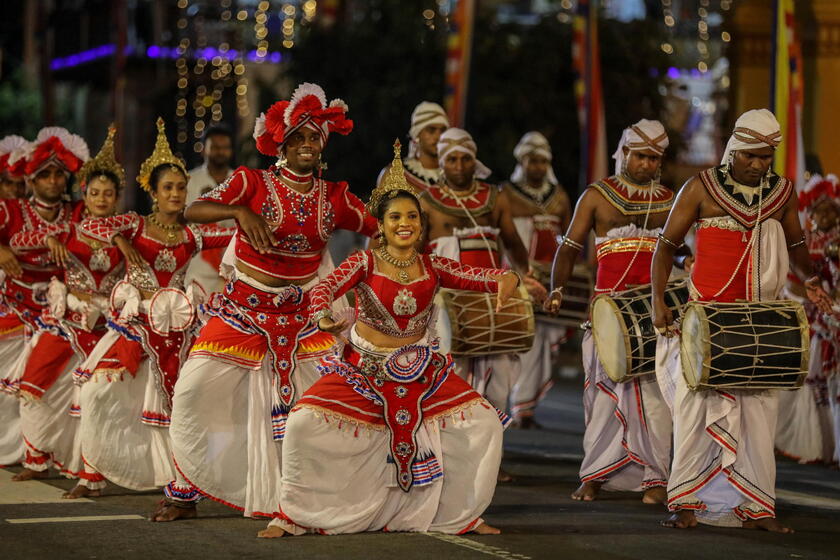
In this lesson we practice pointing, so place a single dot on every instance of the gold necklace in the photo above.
(170, 229)
(401, 264)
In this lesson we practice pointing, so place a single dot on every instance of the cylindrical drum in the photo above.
(622, 325)
(744, 345)
(479, 330)
(577, 295)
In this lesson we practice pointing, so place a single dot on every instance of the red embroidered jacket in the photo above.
(166, 264)
(92, 268)
(396, 309)
(302, 223)
(17, 215)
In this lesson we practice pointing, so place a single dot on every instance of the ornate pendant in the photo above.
(166, 261)
(403, 274)
(100, 261)
(404, 303)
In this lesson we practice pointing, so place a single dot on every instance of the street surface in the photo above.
(537, 517)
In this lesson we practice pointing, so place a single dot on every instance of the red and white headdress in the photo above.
(12, 148)
(307, 108)
(56, 145)
(819, 188)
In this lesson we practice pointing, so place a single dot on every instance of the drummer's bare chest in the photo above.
(607, 217)
(442, 224)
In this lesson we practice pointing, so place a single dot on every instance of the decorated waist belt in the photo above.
(26, 300)
(402, 380)
(280, 316)
(626, 245)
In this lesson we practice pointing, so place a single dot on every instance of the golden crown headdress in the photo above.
(104, 162)
(394, 181)
(161, 156)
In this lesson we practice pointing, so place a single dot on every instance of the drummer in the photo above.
(721, 474)
(627, 441)
(468, 219)
(541, 211)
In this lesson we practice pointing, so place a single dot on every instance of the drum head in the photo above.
(610, 338)
(694, 346)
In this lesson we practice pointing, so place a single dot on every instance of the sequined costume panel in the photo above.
(393, 308)
(301, 222)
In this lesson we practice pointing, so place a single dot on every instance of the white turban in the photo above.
(532, 143)
(425, 114)
(459, 140)
(644, 135)
(757, 128)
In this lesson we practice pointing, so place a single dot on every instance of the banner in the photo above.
(787, 94)
(458, 51)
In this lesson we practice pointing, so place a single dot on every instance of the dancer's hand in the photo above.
(507, 284)
(132, 256)
(329, 326)
(9, 262)
(58, 251)
(256, 228)
(536, 290)
(817, 295)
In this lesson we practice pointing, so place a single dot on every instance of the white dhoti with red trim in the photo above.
(627, 442)
(12, 347)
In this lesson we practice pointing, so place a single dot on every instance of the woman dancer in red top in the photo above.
(127, 380)
(70, 326)
(368, 444)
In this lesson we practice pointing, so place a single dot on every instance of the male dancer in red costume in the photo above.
(724, 471)
(257, 352)
(49, 161)
(627, 441)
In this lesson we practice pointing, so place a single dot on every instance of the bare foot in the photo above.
(770, 524)
(504, 476)
(587, 491)
(657, 495)
(81, 492)
(485, 529)
(683, 519)
(271, 532)
(29, 474)
(170, 512)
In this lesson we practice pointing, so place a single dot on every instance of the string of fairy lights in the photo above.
(207, 71)
(704, 27)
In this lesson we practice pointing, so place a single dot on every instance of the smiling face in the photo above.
(101, 197)
(749, 166)
(303, 150)
(401, 222)
(49, 184)
(170, 191)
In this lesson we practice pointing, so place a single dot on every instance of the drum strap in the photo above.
(477, 227)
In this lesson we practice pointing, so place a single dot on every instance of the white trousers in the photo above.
(627, 441)
(336, 478)
(11, 440)
(221, 432)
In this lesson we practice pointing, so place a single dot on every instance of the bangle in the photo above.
(799, 243)
(668, 242)
(321, 314)
(565, 240)
(555, 291)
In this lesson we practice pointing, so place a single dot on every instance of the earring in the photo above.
(382, 239)
(154, 206)
(282, 161)
(322, 165)
(729, 163)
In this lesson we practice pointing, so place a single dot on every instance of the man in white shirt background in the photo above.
(218, 155)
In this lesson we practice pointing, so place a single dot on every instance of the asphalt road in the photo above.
(535, 513)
